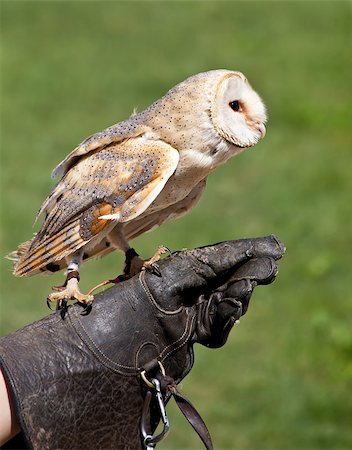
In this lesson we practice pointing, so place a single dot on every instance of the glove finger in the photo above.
(237, 289)
(227, 255)
(187, 274)
(261, 270)
(241, 291)
(241, 284)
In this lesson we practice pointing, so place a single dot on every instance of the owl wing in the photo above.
(115, 184)
(151, 221)
(134, 228)
(130, 128)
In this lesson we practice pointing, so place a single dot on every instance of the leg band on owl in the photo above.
(72, 274)
(73, 266)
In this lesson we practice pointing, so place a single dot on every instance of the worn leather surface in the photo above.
(77, 381)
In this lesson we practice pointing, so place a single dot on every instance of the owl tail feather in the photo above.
(16, 255)
(30, 260)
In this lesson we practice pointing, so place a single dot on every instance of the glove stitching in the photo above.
(101, 355)
(152, 299)
(141, 347)
(188, 330)
(181, 338)
(100, 352)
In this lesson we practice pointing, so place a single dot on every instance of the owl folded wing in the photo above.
(127, 129)
(115, 184)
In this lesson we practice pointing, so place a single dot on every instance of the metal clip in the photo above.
(149, 440)
(145, 379)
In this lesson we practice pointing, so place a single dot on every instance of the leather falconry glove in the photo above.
(101, 381)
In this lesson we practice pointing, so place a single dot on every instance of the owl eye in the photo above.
(235, 105)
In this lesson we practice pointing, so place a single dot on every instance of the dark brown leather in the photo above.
(77, 381)
(193, 417)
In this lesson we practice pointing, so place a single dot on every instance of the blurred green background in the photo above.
(284, 378)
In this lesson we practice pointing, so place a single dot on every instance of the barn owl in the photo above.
(133, 176)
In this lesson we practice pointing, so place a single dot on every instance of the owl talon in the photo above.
(62, 307)
(151, 265)
(48, 304)
(152, 268)
(71, 292)
(87, 308)
(61, 304)
(161, 250)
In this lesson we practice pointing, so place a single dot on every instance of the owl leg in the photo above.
(133, 262)
(70, 290)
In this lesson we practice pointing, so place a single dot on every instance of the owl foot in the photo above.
(134, 264)
(151, 265)
(70, 291)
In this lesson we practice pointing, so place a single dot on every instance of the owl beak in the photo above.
(261, 129)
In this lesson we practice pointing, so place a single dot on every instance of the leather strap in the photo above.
(167, 386)
(194, 418)
(72, 274)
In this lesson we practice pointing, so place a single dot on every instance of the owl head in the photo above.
(216, 112)
(237, 112)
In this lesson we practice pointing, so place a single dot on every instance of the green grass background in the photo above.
(284, 378)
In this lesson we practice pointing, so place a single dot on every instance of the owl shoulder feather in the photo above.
(130, 128)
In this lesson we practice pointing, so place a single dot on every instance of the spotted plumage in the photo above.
(132, 176)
